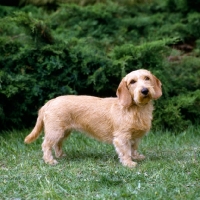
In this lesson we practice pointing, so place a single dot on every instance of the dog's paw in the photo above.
(130, 164)
(51, 162)
(138, 157)
(61, 155)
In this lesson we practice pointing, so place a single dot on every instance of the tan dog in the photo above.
(121, 121)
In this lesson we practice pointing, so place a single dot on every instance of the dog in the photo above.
(121, 120)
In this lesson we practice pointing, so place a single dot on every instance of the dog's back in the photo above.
(87, 114)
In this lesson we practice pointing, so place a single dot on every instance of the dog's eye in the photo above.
(146, 78)
(132, 82)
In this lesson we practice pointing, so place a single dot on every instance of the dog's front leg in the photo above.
(123, 148)
(134, 153)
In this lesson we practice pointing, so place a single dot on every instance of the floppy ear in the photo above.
(124, 95)
(157, 88)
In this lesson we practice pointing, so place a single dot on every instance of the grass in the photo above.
(92, 170)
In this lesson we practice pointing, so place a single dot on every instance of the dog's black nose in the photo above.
(144, 91)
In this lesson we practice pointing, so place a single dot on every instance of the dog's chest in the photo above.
(143, 116)
(137, 120)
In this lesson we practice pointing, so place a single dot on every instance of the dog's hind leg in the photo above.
(52, 139)
(47, 152)
(58, 146)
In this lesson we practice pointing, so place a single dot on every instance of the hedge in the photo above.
(75, 49)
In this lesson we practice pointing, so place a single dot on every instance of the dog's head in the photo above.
(138, 87)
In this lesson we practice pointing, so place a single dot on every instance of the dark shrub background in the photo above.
(74, 49)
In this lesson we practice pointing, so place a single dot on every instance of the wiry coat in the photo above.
(121, 121)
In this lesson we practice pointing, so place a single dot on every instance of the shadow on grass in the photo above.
(75, 155)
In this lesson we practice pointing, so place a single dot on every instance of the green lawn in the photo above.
(91, 169)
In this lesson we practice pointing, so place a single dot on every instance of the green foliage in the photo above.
(87, 50)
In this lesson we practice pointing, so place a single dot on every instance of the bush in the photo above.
(87, 50)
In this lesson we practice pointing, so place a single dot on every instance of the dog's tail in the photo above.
(37, 129)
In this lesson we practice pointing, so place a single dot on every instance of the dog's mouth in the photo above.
(143, 97)
(143, 102)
